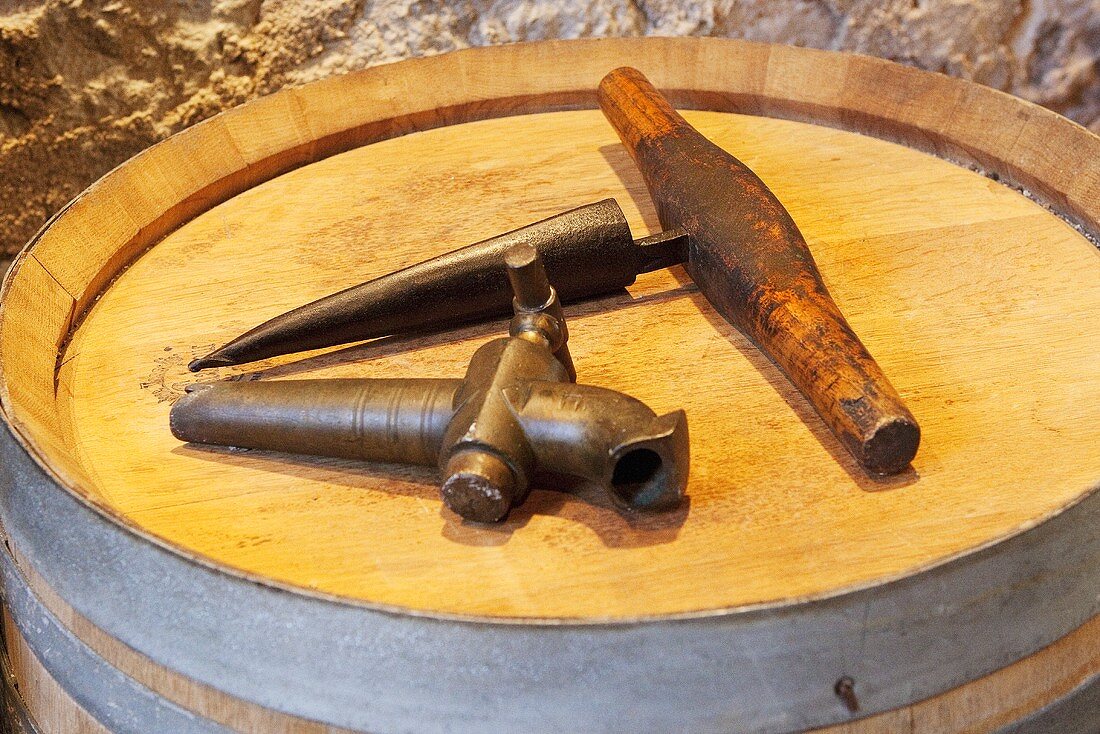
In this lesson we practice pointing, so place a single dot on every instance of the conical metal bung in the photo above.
(587, 251)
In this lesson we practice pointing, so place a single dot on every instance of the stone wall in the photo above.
(85, 85)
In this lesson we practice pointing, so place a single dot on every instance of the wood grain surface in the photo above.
(978, 303)
(971, 296)
(752, 263)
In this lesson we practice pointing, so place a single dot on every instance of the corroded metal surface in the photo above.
(766, 669)
(515, 412)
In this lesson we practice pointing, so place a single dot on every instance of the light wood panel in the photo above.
(937, 268)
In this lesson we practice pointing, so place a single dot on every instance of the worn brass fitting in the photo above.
(516, 411)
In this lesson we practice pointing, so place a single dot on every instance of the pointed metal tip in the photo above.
(209, 361)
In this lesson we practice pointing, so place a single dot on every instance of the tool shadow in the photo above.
(631, 178)
(475, 333)
(564, 497)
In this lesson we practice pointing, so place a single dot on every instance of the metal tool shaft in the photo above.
(587, 251)
(399, 420)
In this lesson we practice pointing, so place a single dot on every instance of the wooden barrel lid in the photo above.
(788, 568)
(978, 302)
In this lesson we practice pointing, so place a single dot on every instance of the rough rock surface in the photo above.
(85, 85)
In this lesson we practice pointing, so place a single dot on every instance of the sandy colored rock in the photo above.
(85, 85)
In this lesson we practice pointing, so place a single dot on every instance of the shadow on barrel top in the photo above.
(570, 499)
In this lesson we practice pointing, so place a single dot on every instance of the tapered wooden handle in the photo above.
(749, 259)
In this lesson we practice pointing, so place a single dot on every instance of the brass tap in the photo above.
(516, 411)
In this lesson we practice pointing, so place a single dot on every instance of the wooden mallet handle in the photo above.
(752, 263)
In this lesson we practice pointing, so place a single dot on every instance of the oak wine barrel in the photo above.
(155, 586)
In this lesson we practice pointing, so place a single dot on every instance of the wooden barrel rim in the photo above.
(1059, 184)
(1040, 184)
